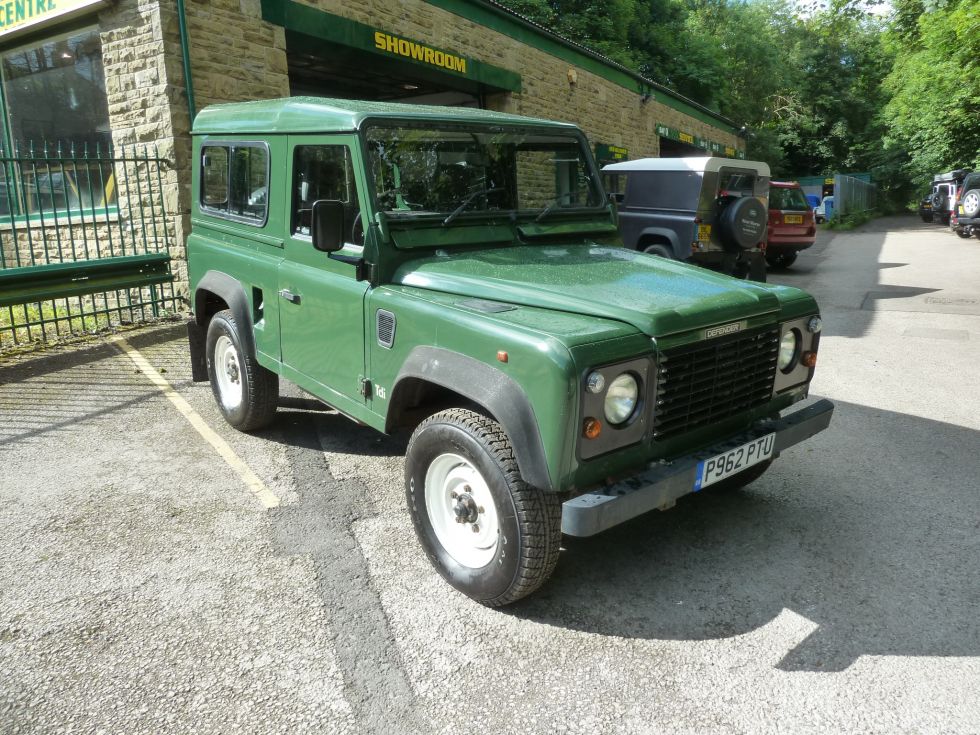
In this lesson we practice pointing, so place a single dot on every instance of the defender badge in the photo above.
(720, 331)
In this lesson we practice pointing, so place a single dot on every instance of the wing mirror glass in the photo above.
(328, 225)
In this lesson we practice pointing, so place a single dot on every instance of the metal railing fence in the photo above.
(852, 196)
(102, 211)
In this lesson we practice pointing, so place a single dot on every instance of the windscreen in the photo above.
(790, 200)
(420, 171)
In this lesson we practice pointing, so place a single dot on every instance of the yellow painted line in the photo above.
(265, 496)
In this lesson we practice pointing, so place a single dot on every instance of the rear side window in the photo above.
(664, 189)
(791, 200)
(235, 181)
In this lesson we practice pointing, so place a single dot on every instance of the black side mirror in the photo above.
(327, 225)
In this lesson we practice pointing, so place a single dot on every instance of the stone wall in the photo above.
(144, 87)
(607, 112)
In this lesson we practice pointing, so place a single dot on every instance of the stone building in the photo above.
(123, 72)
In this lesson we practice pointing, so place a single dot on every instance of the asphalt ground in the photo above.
(163, 573)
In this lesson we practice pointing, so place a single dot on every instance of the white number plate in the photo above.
(734, 461)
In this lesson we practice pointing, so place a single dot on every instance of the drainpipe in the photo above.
(185, 50)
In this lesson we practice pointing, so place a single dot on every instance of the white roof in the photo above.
(697, 163)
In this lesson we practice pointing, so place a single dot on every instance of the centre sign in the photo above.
(17, 16)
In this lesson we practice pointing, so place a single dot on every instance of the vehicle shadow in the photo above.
(868, 532)
(844, 271)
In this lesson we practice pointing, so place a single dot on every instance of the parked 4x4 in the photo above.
(457, 274)
(968, 206)
(925, 207)
(707, 211)
(945, 188)
(791, 224)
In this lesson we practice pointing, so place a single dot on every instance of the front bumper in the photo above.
(662, 484)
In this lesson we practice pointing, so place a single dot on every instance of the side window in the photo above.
(678, 190)
(325, 172)
(235, 181)
(214, 178)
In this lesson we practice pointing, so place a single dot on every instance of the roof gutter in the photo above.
(498, 9)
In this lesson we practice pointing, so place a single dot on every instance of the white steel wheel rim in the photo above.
(972, 202)
(454, 488)
(228, 373)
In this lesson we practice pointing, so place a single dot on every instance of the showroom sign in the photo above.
(17, 16)
(419, 52)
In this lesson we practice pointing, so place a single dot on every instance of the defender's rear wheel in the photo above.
(246, 392)
(486, 531)
(661, 251)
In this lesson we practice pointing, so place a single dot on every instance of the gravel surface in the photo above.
(144, 588)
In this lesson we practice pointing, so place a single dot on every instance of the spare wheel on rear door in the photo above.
(743, 223)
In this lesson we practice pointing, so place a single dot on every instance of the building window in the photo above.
(235, 181)
(56, 138)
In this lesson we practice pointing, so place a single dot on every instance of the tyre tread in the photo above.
(538, 512)
(263, 393)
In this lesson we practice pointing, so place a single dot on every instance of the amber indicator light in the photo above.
(502, 356)
(591, 428)
(809, 359)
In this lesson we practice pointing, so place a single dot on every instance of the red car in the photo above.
(791, 223)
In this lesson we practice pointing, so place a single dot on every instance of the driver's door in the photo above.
(321, 303)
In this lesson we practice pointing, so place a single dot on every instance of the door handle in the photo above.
(291, 297)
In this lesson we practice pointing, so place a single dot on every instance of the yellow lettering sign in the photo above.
(412, 50)
(686, 138)
(18, 15)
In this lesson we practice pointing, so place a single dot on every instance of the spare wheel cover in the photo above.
(745, 222)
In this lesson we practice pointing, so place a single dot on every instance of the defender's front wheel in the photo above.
(487, 532)
(246, 392)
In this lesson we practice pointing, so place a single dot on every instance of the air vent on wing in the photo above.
(386, 328)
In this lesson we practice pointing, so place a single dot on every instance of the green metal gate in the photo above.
(85, 242)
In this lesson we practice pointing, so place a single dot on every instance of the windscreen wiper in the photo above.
(466, 202)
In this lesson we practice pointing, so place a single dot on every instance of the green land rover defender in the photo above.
(457, 273)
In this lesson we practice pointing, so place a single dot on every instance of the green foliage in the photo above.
(821, 86)
(934, 110)
(851, 221)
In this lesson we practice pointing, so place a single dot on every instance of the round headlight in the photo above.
(815, 324)
(621, 398)
(787, 350)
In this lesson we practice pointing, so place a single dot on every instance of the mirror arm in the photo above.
(363, 270)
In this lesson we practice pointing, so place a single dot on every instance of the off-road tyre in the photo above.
(926, 217)
(660, 250)
(743, 478)
(259, 387)
(964, 233)
(528, 518)
(782, 260)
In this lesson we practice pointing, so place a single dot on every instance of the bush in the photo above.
(852, 220)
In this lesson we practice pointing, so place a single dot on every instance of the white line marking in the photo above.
(268, 498)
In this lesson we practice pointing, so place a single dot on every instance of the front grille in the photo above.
(700, 384)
